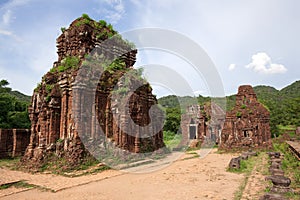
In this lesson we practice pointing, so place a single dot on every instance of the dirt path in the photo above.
(196, 178)
(257, 184)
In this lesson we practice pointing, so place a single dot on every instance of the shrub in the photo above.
(85, 16)
(71, 61)
(110, 27)
(48, 98)
(63, 29)
(67, 63)
(61, 68)
(103, 23)
(49, 88)
(38, 87)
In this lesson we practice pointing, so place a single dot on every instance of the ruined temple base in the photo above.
(38, 159)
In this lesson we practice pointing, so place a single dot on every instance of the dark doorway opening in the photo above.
(192, 132)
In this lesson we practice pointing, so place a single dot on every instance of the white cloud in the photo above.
(8, 9)
(113, 10)
(4, 32)
(262, 63)
(231, 67)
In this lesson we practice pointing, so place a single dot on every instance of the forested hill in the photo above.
(284, 104)
(13, 107)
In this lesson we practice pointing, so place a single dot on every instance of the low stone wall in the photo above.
(13, 142)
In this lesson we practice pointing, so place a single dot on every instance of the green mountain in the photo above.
(284, 104)
(291, 91)
(13, 108)
(20, 96)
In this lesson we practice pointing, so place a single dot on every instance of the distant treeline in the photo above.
(284, 105)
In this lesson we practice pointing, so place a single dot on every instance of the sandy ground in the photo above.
(196, 178)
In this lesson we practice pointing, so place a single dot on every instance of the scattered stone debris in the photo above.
(280, 183)
(248, 124)
(235, 162)
(273, 155)
(271, 196)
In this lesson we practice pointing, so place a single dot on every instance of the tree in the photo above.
(13, 111)
(3, 86)
(173, 118)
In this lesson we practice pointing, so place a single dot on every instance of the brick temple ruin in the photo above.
(247, 125)
(58, 110)
(203, 122)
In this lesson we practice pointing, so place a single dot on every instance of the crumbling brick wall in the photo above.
(59, 111)
(13, 142)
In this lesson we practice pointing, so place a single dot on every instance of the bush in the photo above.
(103, 23)
(85, 16)
(110, 27)
(63, 29)
(171, 139)
(67, 63)
(49, 88)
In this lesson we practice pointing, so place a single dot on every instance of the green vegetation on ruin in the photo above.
(70, 62)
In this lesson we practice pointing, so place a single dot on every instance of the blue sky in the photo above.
(250, 42)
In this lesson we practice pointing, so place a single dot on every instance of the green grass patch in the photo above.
(9, 162)
(61, 166)
(193, 155)
(290, 164)
(287, 127)
(18, 184)
(171, 139)
(246, 167)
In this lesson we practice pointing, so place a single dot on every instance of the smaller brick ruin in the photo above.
(247, 125)
(202, 122)
(13, 142)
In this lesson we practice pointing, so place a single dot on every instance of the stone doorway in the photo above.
(192, 131)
